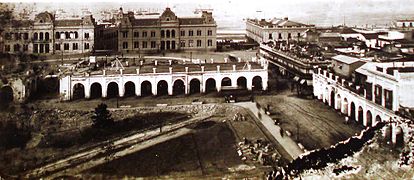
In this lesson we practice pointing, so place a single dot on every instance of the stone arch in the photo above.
(129, 88)
(242, 82)
(178, 87)
(257, 83)
(226, 81)
(194, 86)
(377, 120)
(369, 119)
(345, 107)
(353, 112)
(146, 88)
(210, 85)
(78, 91)
(360, 115)
(332, 99)
(338, 102)
(6, 96)
(96, 90)
(162, 88)
(112, 90)
(399, 137)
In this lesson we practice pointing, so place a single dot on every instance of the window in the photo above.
(35, 36)
(47, 48)
(298, 35)
(16, 47)
(57, 47)
(41, 48)
(7, 48)
(75, 46)
(125, 45)
(173, 33)
(270, 36)
(66, 46)
(182, 33)
(136, 44)
(168, 33)
(7, 36)
(41, 36)
(144, 34)
(25, 47)
(125, 34)
(136, 34)
(144, 44)
(35, 48)
(280, 36)
(209, 32)
(26, 36)
(198, 43)
(210, 42)
(47, 36)
(190, 43)
(190, 33)
(86, 35)
(162, 33)
(182, 43)
(76, 35)
(152, 33)
(86, 45)
(289, 36)
(198, 32)
(153, 44)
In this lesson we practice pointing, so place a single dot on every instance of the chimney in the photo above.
(186, 69)
(154, 70)
(137, 70)
(170, 68)
(121, 71)
(202, 68)
(155, 62)
(218, 68)
(249, 67)
(104, 72)
(234, 67)
(170, 61)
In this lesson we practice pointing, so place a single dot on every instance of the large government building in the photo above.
(161, 33)
(125, 33)
(47, 35)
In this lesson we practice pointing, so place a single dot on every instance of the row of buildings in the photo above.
(125, 33)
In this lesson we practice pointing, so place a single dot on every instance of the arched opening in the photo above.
(338, 102)
(226, 82)
(194, 86)
(173, 33)
(360, 115)
(345, 109)
(325, 99)
(332, 99)
(353, 113)
(78, 91)
(369, 119)
(388, 133)
(96, 90)
(242, 82)
(178, 87)
(399, 137)
(162, 88)
(129, 89)
(113, 90)
(377, 120)
(162, 33)
(6, 96)
(168, 33)
(146, 88)
(210, 85)
(257, 83)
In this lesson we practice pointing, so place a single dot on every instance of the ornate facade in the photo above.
(47, 35)
(164, 33)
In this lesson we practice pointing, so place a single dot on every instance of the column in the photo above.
(202, 86)
(264, 84)
(87, 91)
(121, 89)
(104, 90)
(218, 85)
(170, 89)
(249, 83)
(137, 88)
(154, 88)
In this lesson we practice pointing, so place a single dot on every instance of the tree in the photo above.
(102, 117)
(6, 14)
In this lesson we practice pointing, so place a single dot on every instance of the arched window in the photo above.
(57, 35)
(67, 35)
(76, 35)
(41, 36)
(162, 33)
(35, 36)
(173, 33)
(46, 36)
(168, 33)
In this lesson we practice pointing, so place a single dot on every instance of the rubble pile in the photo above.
(259, 151)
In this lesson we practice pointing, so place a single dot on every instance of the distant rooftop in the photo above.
(346, 59)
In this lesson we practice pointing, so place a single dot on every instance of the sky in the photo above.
(231, 13)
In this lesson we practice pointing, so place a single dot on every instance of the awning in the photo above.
(296, 78)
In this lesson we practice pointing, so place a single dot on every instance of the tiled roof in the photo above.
(68, 22)
(145, 22)
(191, 21)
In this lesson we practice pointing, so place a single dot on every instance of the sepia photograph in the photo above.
(206, 89)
